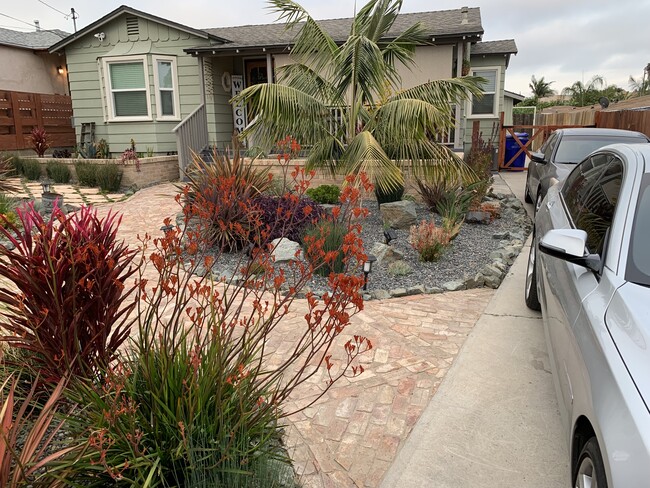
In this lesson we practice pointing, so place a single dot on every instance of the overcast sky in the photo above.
(562, 40)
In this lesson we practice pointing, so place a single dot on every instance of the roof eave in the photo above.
(130, 10)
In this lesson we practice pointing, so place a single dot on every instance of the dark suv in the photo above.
(563, 150)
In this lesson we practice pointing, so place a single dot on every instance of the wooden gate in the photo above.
(537, 134)
(20, 112)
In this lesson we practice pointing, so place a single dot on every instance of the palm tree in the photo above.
(640, 87)
(378, 126)
(581, 94)
(541, 88)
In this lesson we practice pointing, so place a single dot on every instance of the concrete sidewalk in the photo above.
(494, 420)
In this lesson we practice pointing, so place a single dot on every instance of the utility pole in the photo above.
(74, 18)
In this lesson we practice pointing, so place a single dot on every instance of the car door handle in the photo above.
(550, 203)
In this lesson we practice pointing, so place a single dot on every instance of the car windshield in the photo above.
(573, 149)
(638, 261)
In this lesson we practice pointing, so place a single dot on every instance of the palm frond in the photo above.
(444, 92)
(305, 79)
(364, 154)
(403, 119)
(360, 64)
(281, 110)
(376, 18)
(313, 46)
(402, 49)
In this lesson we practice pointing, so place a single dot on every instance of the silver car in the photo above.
(565, 148)
(589, 273)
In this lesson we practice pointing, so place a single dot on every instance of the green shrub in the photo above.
(58, 172)
(109, 177)
(86, 173)
(332, 235)
(325, 194)
(16, 163)
(31, 169)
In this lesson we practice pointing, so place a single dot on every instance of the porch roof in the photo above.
(443, 24)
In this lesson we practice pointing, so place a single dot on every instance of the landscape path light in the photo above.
(367, 269)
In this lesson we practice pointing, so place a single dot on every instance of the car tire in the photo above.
(527, 197)
(530, 292)
(590, 470)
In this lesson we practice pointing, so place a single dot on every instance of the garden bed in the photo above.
(479, 256)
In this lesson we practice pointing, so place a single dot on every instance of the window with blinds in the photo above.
(165, 79)
(128, 88)
(486, 105)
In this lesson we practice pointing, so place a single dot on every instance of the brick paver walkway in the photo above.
(350, 437)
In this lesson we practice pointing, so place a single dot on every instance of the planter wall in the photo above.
(157, 169)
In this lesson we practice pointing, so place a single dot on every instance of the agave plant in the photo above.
(381, 128)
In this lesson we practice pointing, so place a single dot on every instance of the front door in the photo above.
(256, 71)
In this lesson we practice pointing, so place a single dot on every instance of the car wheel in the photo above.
(538, 201)
(530, 293)
(527, 197)
(591, 470)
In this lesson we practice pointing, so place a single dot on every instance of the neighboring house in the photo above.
(27, 66)
(490, 60)
(135, 75)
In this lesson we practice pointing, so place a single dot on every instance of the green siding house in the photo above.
(167, 86)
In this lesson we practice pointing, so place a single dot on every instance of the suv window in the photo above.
(590, 195)
(548, 146)
(574, 149)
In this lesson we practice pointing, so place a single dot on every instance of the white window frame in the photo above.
(106, 62)
(175, 98)
(497, 85)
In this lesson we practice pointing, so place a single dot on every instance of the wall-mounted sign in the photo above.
(239, 110)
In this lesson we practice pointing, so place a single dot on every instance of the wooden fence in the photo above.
(638, 120)
(20, 112)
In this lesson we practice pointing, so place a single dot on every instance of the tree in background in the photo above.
(581, 94)
(541, 88)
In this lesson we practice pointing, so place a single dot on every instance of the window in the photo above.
(127, 82)
(487, 105)
(167, 106)
(591, 193)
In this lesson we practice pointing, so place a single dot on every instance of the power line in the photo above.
(17, 20)
(53, 31)
(67, 16)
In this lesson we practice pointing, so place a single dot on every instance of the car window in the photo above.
(638, 260)
(548, 146)
(590, 195)
(574, 149)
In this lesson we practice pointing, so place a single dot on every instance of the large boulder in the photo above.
(285, 250)
(399, 215)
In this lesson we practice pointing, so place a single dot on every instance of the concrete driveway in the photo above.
(494, 421)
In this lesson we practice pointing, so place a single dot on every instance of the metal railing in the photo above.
(191, 136)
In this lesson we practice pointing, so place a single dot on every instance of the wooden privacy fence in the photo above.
(20, 112)
(638, 120)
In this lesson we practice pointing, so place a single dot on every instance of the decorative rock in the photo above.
(415, 290)
(501, 236)
(478, 217)
(366, 297)
(398, 292)
(399, 215)
(475, 282)
(453, 286)
(385, 254)
(431, 290)
(380, 294)
(285, 250)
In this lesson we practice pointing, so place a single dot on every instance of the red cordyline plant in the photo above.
(40, 141)
(27, 436)
(64, 290)
(201, 393)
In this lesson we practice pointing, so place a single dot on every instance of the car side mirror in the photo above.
(538, 157)
(569, 245)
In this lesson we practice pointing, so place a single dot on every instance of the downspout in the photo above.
(458, 130)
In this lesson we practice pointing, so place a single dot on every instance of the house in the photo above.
(27, 66)
(33, 89)
(168, 86)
